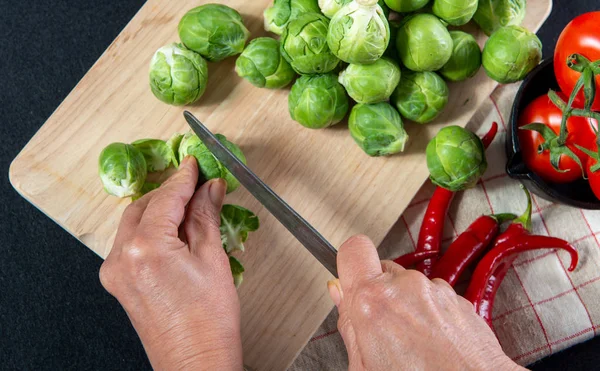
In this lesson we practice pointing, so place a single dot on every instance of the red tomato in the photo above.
(582, 36)
(580, 132)
(593, 178)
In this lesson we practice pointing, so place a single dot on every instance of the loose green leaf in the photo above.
(237, 271)
(157, 153)
(174, 143)
(236, 222)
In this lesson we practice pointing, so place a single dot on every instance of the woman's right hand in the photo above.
(395, 319)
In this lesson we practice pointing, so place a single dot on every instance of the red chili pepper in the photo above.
(479, 290)
(520, 226)
(468, 247)
(432, 228)
(410, 259)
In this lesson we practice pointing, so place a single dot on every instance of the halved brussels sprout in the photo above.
(511, 53)
(178, 75)
(494, 14)
(318, 101)
(420, 96)
(465, 60)
(377, 129)
(304, 45)
(278, 15)
(174, 142)
(122, 169)
(371, 83)
(359, 32)
(406, 6)
(455, 12)
(214, 30)
(210, 167)
(262, 64)
(423, 43)
(456, 158)
(157, 153)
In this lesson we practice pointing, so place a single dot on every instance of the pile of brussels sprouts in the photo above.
(392, 57)
(125, 171)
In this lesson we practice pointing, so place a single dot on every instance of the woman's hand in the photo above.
(397, 319)
(170, 273)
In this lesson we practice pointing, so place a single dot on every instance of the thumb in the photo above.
(203, 220)
(357, 260)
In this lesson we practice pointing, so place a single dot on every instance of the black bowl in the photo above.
(578, 193)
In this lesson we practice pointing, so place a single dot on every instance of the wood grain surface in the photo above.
(322, 174)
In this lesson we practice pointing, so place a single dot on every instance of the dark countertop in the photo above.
(54, 315)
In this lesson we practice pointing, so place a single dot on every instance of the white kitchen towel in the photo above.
(541, 308)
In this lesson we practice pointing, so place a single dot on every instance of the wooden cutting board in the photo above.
(322, 174)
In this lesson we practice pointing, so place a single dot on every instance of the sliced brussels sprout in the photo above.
(304, 45)
(237, 271)
(494, 14)
(511, 53)
(262, 64)
(455, 12)
(214, 30)
(406, 6)
(377, 129)
(456, 158)
(371, 83)
(423, 43)
(210, 167)
(178, 76)
(318, 101)
(236, 222)
(174, 143)
(420, 96)
(465, 60)
(157, 153)
(146, 188)
(278, 15)
(122, 169)
(359, 32)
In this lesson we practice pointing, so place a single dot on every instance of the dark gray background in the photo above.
(54, 315)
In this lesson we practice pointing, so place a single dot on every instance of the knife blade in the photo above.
(308, 236)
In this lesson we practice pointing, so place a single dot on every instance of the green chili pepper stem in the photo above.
(503, 218)
(525, 218)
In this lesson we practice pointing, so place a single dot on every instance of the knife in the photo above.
(308, 236)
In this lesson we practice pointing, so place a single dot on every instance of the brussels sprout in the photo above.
(262, 64)
(174, 143)
(511, 53)
(465, 60)
(210, 167)
(377, 129)
(456, 159)
(318, 101)
(455, 12)
(215, 31)
(237, 271)
(278, 15)
(371, 83)
(157, 153)
(420, 96)
(493, 14)
(122, 169)
(359, 32)
(423, 43)
(406, 6)
(304, 45)
(178, 75)
(146, 188)
(236, 222)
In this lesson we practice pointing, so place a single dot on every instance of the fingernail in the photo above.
(216, 191)
(335, 291)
